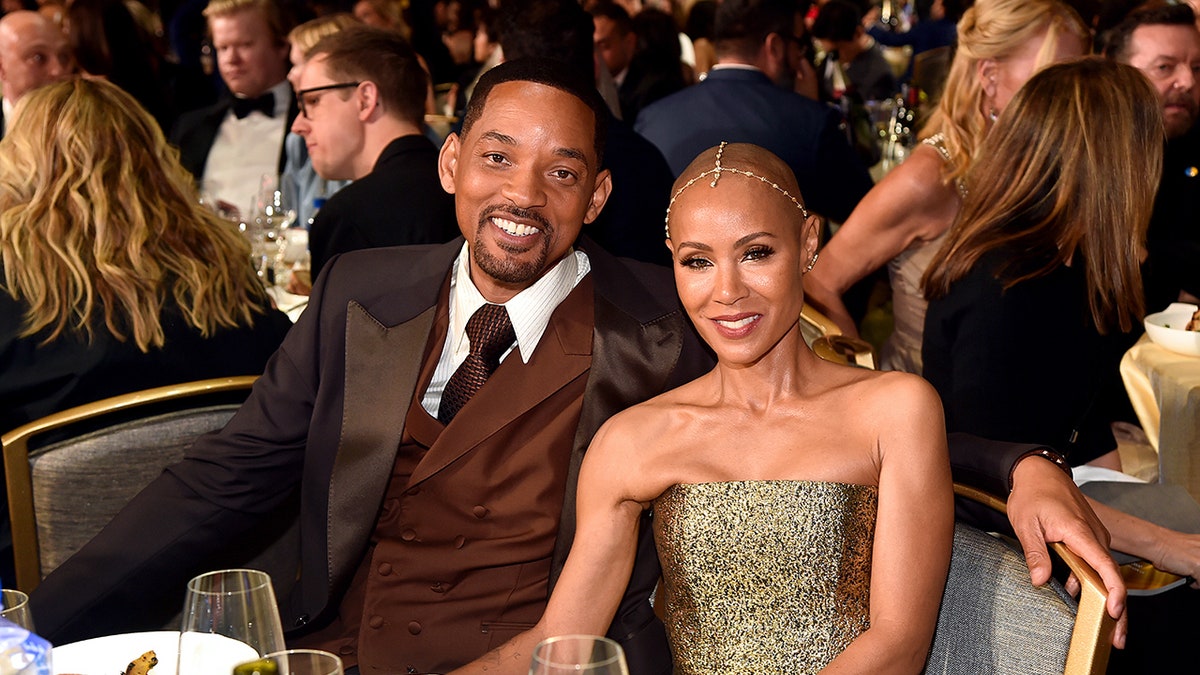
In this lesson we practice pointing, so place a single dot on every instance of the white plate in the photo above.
(1165, 328)
(111, 654)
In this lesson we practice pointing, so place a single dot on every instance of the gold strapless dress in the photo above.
(764, 576)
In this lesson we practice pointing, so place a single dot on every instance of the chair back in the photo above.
(99, 455)
(993, 621)
(826, 340)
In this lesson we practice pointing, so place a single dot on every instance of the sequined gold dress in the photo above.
(764, 576)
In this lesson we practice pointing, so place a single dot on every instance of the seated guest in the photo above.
(1162, 41)
(936, 26)
(115, 279)
(902, 221)
(1038, 282)
(435, 508)
(301, 184)
(839, 28)
(362, 111)
(229, 146)
(754, 472)
(33, 52)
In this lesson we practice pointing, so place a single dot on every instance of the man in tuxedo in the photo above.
(232, 144)
(748, 97)
(432, 407)
(362, 106)
(33, 52)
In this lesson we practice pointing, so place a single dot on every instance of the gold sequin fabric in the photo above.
(764, 576)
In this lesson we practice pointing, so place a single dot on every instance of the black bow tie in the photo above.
(264, 104)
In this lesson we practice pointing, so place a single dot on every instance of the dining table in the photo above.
(1164, 388)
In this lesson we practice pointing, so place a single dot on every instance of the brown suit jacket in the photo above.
(326, 419)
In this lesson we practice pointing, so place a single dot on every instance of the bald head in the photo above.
(33, 52)
(745, 166)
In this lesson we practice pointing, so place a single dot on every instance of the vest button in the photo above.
(480, 511)
(414, 628)
(459, 541)
(346, 650)
(385, 569)
(408, 535)
(376, 621)
(438, 587)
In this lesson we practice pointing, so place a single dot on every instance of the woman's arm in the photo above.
(913, 533)
(1169, 550)
(597, 570)
(910, 204)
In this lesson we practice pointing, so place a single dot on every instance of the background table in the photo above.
(1164, 387)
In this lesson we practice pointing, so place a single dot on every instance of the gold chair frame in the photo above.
(19, 477)
(830, 344)
(1091, 639)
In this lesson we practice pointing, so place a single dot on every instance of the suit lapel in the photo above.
(563, 354)
(382, 368)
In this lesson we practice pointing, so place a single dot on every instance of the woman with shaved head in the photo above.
(787, 531)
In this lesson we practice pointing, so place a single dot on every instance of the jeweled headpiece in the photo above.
(716, 172)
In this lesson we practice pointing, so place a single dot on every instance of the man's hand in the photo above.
(1046, 506)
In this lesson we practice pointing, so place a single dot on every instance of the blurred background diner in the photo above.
(115, 279)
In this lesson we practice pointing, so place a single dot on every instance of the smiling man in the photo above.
(362, 104)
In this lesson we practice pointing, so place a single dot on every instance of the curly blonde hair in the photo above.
(992, 29)
(98, 220)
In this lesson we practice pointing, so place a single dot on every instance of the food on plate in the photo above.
(1194, 324)
(142, 664)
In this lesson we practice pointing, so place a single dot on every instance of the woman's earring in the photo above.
(811, 262)
(993, 113)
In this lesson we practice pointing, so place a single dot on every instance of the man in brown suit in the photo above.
(430, 533)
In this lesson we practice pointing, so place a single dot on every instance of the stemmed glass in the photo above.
(293, 662)
(229, 617)
(578, 654)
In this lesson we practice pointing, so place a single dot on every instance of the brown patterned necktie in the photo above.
(490, 333)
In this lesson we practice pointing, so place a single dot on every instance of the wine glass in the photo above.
(578, 654)
(229, 617)
(293, 662)
(16, 608)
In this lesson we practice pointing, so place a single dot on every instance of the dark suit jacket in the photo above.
(744, 106)
(195, 131)
(327, 417)
(400, 202)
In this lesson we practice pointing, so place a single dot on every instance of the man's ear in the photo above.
(600, 195)
(448, 162)
(369, 102)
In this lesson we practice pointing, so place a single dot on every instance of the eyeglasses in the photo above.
(306, 100)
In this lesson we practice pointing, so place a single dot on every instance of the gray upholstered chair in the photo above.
(992, 620)
(62, 493)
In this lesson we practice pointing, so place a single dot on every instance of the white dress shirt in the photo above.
(528, 310)
(245, 150)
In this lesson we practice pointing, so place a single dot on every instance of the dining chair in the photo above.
(994, 621)
(69, 473)
(828, 342)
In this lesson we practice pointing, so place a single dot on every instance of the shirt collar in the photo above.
(528, 310)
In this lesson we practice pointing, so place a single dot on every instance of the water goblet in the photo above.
(578, 655)
(229, 617)
(16, 608)
(293, 662)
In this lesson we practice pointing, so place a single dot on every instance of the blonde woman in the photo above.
(901, 222)
(114, 279)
